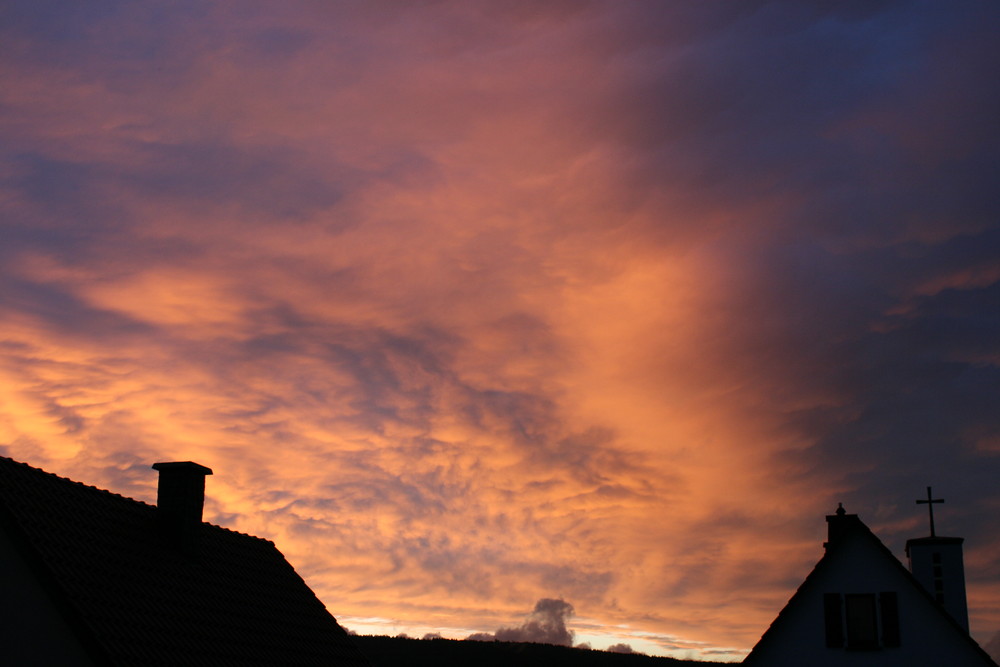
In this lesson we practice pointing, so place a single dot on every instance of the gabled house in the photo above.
(89, 577)
(861, 606)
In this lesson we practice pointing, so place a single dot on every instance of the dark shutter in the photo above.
(834, 620)
(889, 604)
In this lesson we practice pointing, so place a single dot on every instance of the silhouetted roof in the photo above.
(135, 597)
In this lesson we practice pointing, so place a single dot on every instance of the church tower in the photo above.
(937, 563)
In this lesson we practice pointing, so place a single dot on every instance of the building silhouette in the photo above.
(861, 606)
(89, 577)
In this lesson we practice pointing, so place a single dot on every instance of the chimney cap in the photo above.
(191, 466)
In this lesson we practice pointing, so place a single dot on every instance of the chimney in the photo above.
(180, 496)
(839, 524)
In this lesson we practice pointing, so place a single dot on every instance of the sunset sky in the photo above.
(474, 304)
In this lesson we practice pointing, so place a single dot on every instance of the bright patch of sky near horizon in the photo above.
(474, 304)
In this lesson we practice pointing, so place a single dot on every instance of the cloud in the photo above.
(466, 304)
(546, 624)
(619, 648)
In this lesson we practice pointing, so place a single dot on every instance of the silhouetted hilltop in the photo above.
(399, 651)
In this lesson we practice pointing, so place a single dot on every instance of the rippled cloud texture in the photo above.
(474, 304)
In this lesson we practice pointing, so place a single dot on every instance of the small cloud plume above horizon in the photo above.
(620, 648)
(546, 624)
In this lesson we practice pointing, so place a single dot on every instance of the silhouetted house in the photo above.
(860, 606)
(88, 577)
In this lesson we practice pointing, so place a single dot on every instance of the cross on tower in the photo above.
(930, 507)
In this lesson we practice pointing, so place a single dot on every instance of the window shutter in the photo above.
(834, 620)
(889, 604)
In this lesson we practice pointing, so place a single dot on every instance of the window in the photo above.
(861, 621)
(938, 578)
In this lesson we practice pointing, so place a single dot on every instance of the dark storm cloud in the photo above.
(791, 84)
(868, 214)
(911, 371)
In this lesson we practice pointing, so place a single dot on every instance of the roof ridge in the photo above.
(238, 532)
(73, 481)
(121, 496)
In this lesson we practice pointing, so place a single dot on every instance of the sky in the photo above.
(476, 307)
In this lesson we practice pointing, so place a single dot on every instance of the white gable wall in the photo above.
(859, 565)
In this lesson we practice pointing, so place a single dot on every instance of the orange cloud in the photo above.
(469, 307)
